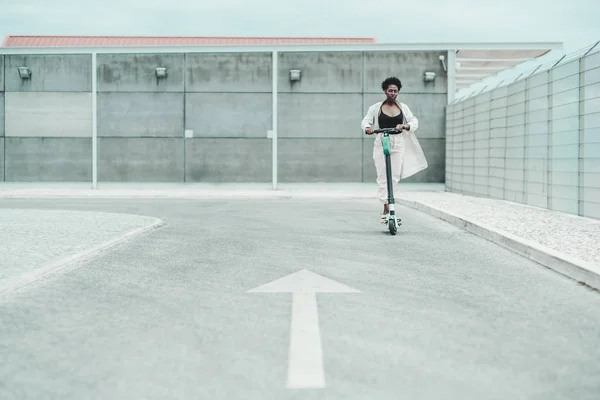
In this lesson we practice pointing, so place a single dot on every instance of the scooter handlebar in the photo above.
(392, 131)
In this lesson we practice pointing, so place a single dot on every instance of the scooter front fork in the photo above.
(390, 188)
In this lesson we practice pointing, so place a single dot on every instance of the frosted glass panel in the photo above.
(591, 120)
(567, 110)
(515, 120)
(591, 135)
(590, 150)
(538, 116)
(591, 105)
(591, 91)
(562, 85)
(534, 141)
(591, 164)
(591, 76)
(564, 165)
(536, 152)
(538, 104)
(565, 151)
(570, 96)
(565, 138)
(567, 69)
(565, 124)
(592, 60)
(537, 80)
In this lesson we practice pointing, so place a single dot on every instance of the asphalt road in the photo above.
(440, 313)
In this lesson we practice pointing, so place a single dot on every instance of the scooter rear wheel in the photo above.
(392, 226)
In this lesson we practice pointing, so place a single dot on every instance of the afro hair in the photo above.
(391, 81)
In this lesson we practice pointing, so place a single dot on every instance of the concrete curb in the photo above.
(56, 266)
(182, 195)
(571, 267)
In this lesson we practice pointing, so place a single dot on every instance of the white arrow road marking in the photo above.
(305, 364)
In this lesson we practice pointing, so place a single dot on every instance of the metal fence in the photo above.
(535, 141)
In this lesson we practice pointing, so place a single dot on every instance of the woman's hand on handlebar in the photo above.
(369, 131)
(401, 127)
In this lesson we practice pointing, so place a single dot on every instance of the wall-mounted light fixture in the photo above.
(161, 72)
(429, 76)
(295, 74)
(24, 72)
(442, 59)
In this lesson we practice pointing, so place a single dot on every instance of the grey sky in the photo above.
(573, 22)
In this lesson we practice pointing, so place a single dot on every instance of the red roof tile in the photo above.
(91, 41)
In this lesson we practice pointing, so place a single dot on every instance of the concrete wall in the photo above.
(1, 117)
(47, 121)
(536, 141)
(224, 101)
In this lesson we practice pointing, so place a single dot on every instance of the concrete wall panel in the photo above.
(140, 114)
(320, 115)
(228, 160)
(434, 150)
(428, 108)
(409, 67)
(141, 127)
(140, 159)
(236, 73)
(49, 73)
(320, 160)
(1, 73)
(48, 114)
(229, 115)
(48, 159)
(2, 159)
(321, 72)
(1, 114)
(136, 72)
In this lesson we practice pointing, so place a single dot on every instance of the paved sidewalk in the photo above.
(198, 190)
(566, 243)
(37, 243)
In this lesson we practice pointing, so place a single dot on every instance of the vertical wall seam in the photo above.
(489, 184)
(362, 140)
(94, 120)
(505, 128)
(274, 119)
(549, 144)
(4, 123)
(580, 141)
(185, 65)
(524, 197)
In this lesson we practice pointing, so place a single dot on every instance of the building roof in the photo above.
(468, 63)
(474, 65)
(110, 41)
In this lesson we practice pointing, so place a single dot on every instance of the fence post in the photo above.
(581, 139)
(274, 76)
(94, 121)
(549, 144)
(524, 197)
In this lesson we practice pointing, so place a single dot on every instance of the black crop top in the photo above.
(385, 121)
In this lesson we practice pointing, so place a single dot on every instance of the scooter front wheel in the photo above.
(392, 226)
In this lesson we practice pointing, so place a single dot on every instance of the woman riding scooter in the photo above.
(407, 157)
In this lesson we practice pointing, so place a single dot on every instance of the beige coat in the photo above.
(414, 158)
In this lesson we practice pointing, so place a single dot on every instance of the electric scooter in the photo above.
(393, 220)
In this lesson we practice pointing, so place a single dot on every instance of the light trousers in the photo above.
(396, 160)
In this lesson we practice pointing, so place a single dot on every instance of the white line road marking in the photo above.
(306, 355)
(57, 266)
(305, 364)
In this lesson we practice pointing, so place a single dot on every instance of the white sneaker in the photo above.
(384, 218)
